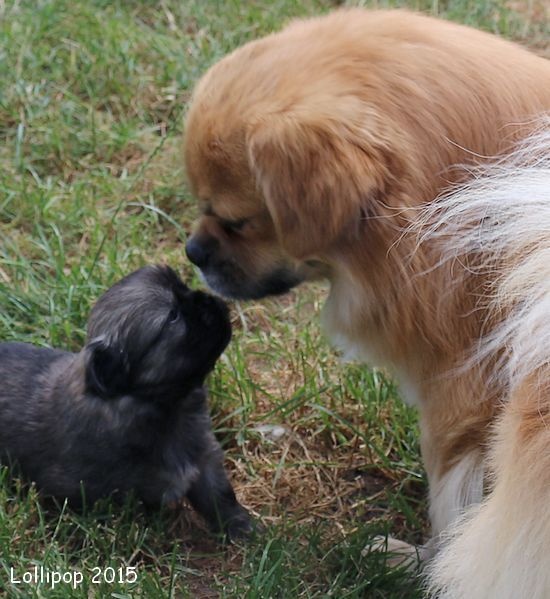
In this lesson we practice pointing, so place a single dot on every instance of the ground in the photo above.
(92, 99)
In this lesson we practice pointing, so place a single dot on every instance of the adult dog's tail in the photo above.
(499, 225)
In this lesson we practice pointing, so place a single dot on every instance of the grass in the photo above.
(92, 98)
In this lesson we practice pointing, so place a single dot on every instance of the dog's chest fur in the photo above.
(349, 304)
(162, 452)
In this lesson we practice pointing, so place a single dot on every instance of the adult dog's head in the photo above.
(307, 148)
(150, 335)
(285, 157)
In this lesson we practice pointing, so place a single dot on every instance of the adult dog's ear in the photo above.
(316, 177)
(107, 372)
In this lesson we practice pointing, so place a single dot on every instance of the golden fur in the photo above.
(313, 150)
(498, 226)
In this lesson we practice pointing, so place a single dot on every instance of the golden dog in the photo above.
(313, 150)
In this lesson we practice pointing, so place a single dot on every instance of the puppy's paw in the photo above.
(241, 526)
(399, 554)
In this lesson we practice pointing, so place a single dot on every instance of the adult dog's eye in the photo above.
(233, 226)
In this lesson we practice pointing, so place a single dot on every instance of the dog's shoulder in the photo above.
(16, 356)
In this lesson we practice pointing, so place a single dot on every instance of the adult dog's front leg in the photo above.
(454, 439)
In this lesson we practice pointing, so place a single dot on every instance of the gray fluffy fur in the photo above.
(128, 413)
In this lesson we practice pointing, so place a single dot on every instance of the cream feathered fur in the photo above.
(498, 228)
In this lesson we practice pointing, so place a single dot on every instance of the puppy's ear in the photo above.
(316, 177)
(106, 369)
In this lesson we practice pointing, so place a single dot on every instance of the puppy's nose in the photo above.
(200, 250)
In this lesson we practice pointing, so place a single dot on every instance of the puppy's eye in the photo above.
(173, 316)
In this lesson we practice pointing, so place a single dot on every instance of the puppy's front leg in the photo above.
(212, 495)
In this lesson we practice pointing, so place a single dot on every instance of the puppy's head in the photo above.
(285, 164)
(150, 335)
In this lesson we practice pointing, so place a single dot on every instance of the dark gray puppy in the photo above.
(129, 412)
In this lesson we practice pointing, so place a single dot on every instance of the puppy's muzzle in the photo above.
(210, 306)
(200, 249)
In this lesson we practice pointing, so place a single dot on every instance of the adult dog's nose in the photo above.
(199, 250)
